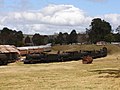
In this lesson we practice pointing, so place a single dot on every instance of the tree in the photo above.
(6, 36)
(18, 38)
(73, 37)
(109, 37)
(82, 38)
(65, 38)
(27, 40)
(11, 37)
(37, 39)
(59, 39)
(98, 30)
(51, 40)
(118, 29)
(45, 39)
(117, 37)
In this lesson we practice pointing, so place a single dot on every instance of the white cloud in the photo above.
(52, 19)
(114, 19)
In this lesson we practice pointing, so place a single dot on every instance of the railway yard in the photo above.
(102, 74)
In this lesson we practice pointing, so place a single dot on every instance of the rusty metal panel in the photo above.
(8, 49)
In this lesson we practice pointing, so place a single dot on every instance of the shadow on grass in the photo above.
(111, 73)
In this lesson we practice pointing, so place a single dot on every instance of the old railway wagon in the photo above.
(8, 54)
(34, 49)
(65, 56)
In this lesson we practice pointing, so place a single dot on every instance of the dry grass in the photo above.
(112, 49)
(103, 74)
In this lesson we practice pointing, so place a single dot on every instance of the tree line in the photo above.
(11, 37)
(99, 30)
(61, 38)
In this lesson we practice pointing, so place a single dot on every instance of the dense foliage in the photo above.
(100, 30)
(65, 38)
(39, 39)
(73, 37)
(27, 40)
(118, 29)
(11, 37)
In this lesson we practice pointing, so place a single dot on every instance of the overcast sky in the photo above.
(53, 16)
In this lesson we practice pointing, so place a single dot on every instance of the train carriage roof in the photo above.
(8, 49)
(34, 47)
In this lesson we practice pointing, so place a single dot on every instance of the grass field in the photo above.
(103, 74)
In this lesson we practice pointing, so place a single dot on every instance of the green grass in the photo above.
(103, 74)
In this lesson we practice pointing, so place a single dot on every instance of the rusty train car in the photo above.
(8, 54)
(34, 49)
(65, 56)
